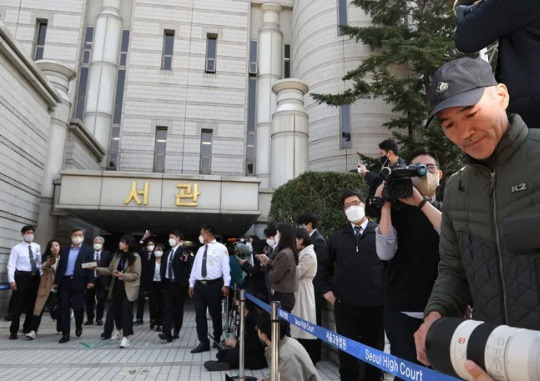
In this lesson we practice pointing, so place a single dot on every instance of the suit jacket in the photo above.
(182, 262)
(319, 245)
(81, 277)
(132, 276)
(104, 261)
(147, 269)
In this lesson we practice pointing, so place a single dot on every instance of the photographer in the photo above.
(516, 25)
(407, 238)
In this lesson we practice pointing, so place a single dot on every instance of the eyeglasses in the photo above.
(351, 204)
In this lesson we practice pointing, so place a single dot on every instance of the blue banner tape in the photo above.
(382, 360)
(4, 286)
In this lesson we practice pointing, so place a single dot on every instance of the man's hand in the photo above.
(414, 200)
(225, 291)
(13, 286)
(362, 170)
(478, 373)
(190, 292)
(420, 336)
(378, 192)
(230, 342)
(330, 297)
(263, 259)
(90, 286)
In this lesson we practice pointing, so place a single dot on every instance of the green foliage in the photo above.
(316, 192)
(410, 40)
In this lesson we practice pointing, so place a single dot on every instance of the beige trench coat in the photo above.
(45, 287)
(304, 306)
(132, 277)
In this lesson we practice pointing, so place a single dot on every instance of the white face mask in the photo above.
(427, 185)
(150, 247)
(172, 242)
(158, 254)
(77, 240)
(97, 246)
(28, 238)
(201, 239)
(355, 213)
(270, 242)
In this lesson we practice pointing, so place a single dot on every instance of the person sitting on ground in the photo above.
(294, 362)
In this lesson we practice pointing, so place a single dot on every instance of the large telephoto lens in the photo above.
(506, 353)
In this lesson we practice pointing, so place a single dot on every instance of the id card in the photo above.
(89, 265)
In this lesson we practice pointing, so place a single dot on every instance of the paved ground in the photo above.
(90, 358)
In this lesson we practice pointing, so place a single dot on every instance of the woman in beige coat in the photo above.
(305, 296)
(125, 269)
(48, 266)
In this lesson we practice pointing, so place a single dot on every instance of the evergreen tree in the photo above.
(410, 40)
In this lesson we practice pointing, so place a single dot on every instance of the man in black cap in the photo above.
(483, 204)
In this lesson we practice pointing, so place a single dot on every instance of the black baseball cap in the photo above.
(459, 83)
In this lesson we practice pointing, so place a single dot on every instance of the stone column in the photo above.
(290, 132)
(100, 97)
(270, 63)
(60, 76)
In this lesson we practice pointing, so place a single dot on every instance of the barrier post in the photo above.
(241, 335)
(274, 371)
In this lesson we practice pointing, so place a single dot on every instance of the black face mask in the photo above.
(383, 159)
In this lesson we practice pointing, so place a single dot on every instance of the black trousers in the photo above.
(174, 297)
(286, 301)
(143, 291)
(156, 302)
(363, 324)
(207, 297)
(109, 319)
(400, 330)
(71, 298)
(23, 300)
(95, 297)
(316, 347)
(36, 319)
(122, 309)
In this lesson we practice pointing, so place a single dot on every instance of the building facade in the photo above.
(123, 115)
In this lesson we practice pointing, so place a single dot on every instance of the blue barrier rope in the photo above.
(382, 360)
(4, 286)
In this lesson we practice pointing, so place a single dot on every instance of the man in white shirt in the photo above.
(209, 280)
(24, 273)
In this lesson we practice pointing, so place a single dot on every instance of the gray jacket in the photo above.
(475, 266)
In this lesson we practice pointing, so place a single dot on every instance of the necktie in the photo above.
(97, 260)
(203, 269)
(170, 269)
(357, 231)
(32, 259)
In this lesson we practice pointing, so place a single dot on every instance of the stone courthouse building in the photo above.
(126, 115)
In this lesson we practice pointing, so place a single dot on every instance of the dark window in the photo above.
(342, 15)
(251, 122)
(159, 149)
(211, 50)
(253, 58)
(83, 76)
(205, 167)
(346, 141)
(287, 61)
(121, 80)
(41, 27)
(168, 47)
(113, 148)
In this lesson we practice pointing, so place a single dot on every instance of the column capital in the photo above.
(266, 7)
(290, 84)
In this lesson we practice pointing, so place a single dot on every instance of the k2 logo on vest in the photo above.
(518, 187)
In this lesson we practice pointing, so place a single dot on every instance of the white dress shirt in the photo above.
(157, 274)
(19, 259)
(217, 264)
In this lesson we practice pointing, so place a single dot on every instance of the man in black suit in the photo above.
(146, 281)
(175, 269)
(309, 221)
(97, 296)
(72, 280)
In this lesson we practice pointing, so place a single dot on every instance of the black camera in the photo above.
(398, 180)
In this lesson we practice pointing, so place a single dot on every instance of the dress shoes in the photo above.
(158, 328)
(13, 336)
(152, 325)
(89, 322)
(105, 336)
(202, 347)
(99, 322)
(78, 332)
(217, 366)
(176, 335)
(166, 336)
(64, 339)
(138, 322)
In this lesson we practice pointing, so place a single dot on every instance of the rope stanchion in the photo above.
(241, 335)
(391, 364)
(274, 318)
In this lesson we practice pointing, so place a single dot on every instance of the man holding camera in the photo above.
(498, 183)
(516, 25)
(407, 238)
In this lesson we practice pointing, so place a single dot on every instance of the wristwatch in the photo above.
(423, 202)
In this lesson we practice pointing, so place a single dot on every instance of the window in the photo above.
(159, 149)
(287, 61)
(346, 142)
(113, 148)
(168, 46)
(211, 49)
(250, 139)
(342, 15)
(206, 152)
(40, 39)
(85, 68)
(252, 58)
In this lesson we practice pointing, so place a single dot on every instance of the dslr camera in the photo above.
(506, 353)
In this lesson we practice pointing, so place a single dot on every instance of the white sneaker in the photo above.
(117, 335)
(31, 335)
(125, 342)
